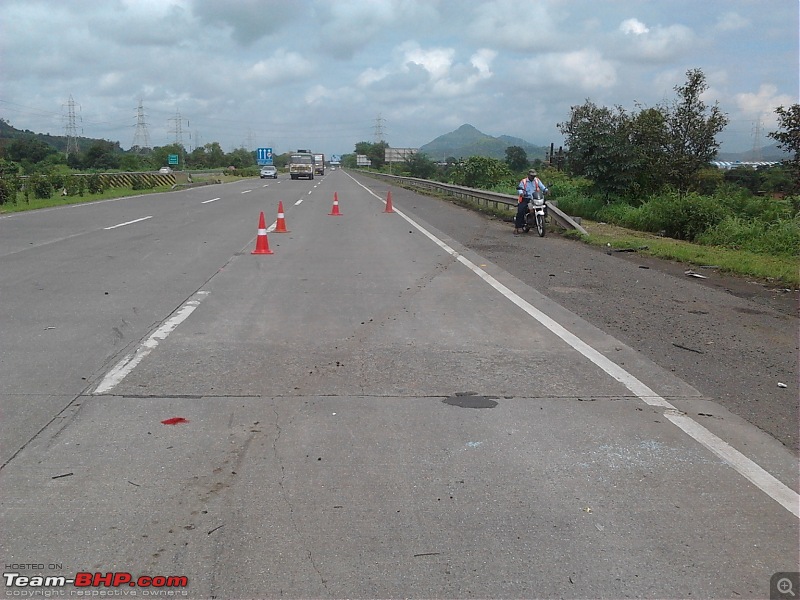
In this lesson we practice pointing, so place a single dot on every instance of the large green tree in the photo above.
(516, 158)
(28, 149)
(481, 172)
(375, 152)
(102, 156)
(419, 165)
(634, 155)
(693, 127)
(788, 138)
(599, 146)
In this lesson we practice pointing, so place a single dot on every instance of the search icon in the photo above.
(784, 586)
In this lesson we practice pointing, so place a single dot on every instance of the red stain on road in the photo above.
(174, 421)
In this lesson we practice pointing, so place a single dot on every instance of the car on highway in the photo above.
(165, 170)
(269, 171)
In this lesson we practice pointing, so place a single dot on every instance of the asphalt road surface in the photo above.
(406, 404)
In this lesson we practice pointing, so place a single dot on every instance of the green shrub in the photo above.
(41, 186)
(776, 238)
(95, 185)
(683, 217)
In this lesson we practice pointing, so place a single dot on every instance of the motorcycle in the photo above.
(537, 215)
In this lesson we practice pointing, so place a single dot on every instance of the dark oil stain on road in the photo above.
(470, 400)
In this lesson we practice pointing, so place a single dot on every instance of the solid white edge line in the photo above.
(128, 223)
(207, 201)
(766, 482)
(127, 364)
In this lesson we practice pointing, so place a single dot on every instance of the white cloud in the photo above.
(436, 61)
(282, 66)
(763, 102)
(731, 21)
(587, 69)
(659, 44)
(633, 27)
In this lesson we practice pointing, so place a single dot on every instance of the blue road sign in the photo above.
(264, 156)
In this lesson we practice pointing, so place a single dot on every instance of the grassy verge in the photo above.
(774, 270)
(37, 203)
(783, 271)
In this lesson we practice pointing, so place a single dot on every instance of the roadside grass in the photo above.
(37, 203)
(773, 270)
(779, 271)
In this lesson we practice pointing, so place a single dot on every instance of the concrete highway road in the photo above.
(373, 410)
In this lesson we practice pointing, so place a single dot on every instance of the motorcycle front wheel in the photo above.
(540, 227)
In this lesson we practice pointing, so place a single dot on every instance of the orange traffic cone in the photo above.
(280, 225)
(262, 244)
(335, 210)
(388, 208)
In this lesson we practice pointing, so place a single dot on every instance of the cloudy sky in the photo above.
(325, 74)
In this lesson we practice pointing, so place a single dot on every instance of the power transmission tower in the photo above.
(71, 129)
(178, 130)
(379, 129)
(141, 139)
(757, 156)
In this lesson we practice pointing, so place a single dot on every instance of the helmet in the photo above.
(531, 173)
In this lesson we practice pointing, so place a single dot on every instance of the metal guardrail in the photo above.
(490, 199)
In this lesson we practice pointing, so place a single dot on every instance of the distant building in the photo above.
(726, 166)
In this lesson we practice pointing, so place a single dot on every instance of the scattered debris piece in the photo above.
(427, 554)
(782, 385)
(643, 267)
(599, 527)
(136, 484)
(687, 348)
(588, 509)
(215, 528)
(174, 421)
(691, 273)
(60, 476)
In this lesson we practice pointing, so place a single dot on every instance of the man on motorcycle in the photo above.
(526, 189)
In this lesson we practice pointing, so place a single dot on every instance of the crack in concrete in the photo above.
(284, 495)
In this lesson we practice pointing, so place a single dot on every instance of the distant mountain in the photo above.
(467, 141)
(767, 154)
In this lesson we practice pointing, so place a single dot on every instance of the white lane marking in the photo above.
(298, 202)
(212, 200)
(247, 191)
(127, 364)
(309, 192)
(129, 222)
(767, 483)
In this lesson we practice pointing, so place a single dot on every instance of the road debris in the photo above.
(687, 348)
(691, 273)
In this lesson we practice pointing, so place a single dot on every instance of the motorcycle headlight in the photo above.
(538, 201)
